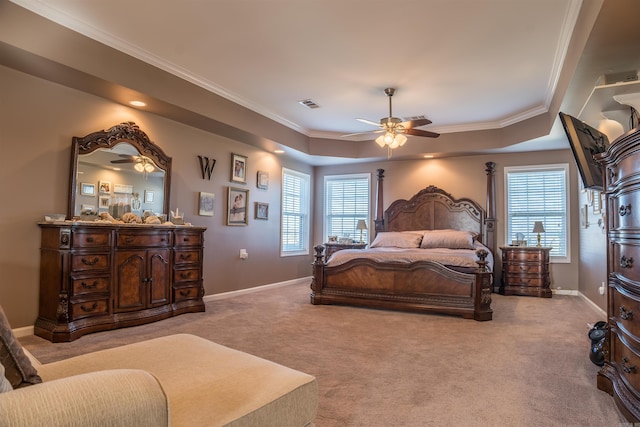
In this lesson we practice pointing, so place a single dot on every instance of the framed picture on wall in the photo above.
(237, 203)
(238, 168)
(103, 202)
(104, 187)
(205, 204)
(87, 189)
(263, 180)
(262, 211)
(149, 196)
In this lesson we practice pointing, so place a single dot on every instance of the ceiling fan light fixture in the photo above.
(139, 167)
(380, 141)
(148, 167)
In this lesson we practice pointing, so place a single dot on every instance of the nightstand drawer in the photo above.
(524, 268)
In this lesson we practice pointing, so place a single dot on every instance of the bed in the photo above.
(369, 278)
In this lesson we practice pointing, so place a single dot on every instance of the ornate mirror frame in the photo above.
(127, 132)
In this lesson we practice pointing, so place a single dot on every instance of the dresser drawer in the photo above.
(182, 257)
(627, 360)
(625, 308)
(524, 268)
(188, 238)
(524, 280)
(90, 285)
(625, 259)
(90, 238)
(625, 210)
(90, 261)
(186, 293)
(524, 255)
(137, 239)
(186, 274)
(626, 167)
(90, 308)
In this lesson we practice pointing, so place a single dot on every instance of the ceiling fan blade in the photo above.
(418, 132)
(369, 122)
(416, 123)
(362, 133)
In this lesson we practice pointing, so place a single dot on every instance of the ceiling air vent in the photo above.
(308, 103)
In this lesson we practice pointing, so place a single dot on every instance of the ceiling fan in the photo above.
(142, 163)
(394, 129)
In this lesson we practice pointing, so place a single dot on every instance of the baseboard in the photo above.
(571, 292)
(28, 330)
(594, 305)
(23, 332)
(224, 295)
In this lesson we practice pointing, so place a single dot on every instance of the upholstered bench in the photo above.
(204, 384)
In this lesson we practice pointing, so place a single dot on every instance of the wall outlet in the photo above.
(602, 288)
(244, 254)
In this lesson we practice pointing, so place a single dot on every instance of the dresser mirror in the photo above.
(118, 170)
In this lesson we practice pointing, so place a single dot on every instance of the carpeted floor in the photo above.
(527, 367)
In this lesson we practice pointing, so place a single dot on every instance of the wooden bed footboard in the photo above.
(423, 286)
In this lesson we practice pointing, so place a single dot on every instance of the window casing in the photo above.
(539, 193)
(346, 200)
(294, 222)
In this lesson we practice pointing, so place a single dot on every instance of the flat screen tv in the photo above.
(586, 142)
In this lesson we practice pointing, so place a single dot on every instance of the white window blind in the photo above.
(346, 202)
(295, 213)
(538, 194)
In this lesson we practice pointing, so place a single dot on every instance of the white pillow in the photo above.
(451, 239)
(5, 385)
(396, 239)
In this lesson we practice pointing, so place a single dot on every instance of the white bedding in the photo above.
(445, 256)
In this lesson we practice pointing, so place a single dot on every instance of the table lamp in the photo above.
(362, 225)
(538, 228)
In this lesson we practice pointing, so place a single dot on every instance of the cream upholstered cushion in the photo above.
(104, 398)
(208, 384)
(451, 239)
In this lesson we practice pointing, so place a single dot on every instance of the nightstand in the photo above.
(525, 271)
(332, 247)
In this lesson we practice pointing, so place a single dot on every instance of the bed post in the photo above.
(490, 220)
(379, 222)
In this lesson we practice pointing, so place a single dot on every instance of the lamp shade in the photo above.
(538, 227)
(362, 225)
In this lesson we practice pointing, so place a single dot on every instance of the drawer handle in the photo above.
(625, 314)
(90, 262)
(625, 210)
(128, 239)
(89, 309)
(91, 286)
(185, 256)
(186, 239)
(626, 262)
(629, 369)
(184, 275)
(185, 293)
(90, 239)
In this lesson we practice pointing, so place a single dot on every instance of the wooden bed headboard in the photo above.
(434, 209)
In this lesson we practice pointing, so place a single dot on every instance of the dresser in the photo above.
(96, 277)
(332, 247)
(525, 271)
(620, 375)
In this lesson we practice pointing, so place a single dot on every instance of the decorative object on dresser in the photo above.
(538, 227)
(620, 375)
(111, 273)
(332, 247)
(379, 278)
(525, 271)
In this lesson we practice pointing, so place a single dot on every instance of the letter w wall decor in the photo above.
(206, 166)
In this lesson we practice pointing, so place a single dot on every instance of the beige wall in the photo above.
(465, 177)
(38, 120)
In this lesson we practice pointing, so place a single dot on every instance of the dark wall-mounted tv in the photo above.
(586, 142)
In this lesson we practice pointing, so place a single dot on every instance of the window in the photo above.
(346, 201)
(295, 213)
(539, 193)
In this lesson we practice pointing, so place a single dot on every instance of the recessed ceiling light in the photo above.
(428, 156)
(278, 151)
(138, 103)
